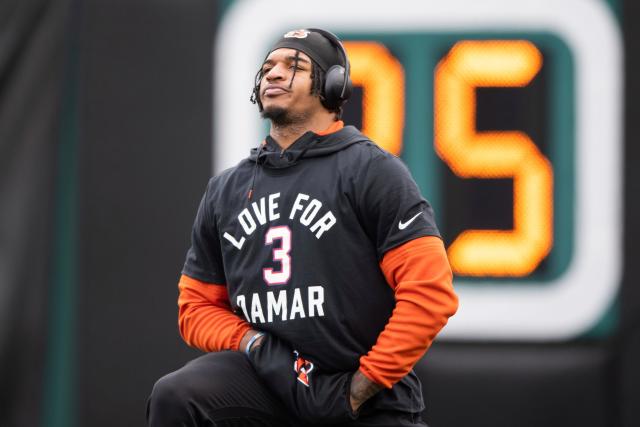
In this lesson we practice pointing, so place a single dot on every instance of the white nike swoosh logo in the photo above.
(403, 225)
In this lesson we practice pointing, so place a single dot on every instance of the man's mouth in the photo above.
(274, 91)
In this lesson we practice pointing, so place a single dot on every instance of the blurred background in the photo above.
(114, 114)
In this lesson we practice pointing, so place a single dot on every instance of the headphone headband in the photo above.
(337, 43)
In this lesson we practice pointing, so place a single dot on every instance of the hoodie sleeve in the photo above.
(204, 257)
(420, 276)
(391, 208)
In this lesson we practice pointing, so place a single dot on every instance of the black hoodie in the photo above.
(300, 258)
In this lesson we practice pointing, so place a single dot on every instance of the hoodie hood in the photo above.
(310, 144)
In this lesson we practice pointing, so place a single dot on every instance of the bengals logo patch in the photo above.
(302, 368)
(298, 34)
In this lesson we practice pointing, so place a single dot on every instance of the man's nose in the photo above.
(276, 73)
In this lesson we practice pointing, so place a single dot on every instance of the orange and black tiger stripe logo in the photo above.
(303, 368)
(298, 34)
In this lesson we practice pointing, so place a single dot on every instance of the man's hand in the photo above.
(310, 394)
(362, 388)
(245, 340)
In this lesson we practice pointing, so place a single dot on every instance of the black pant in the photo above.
(222, 389)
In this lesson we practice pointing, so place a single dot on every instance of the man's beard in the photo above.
(281, 117)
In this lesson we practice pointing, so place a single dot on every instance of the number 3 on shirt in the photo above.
(281, 255)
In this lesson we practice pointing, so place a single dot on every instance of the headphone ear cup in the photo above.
(333, 84)
(348, 89)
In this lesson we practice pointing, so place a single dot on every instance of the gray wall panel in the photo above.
(145, 160)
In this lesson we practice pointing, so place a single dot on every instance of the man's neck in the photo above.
(288, 134)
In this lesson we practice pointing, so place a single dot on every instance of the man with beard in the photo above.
(316, 277)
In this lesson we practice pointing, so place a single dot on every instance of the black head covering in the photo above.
(314, 44)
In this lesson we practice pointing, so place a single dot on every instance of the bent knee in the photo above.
(211, 376)
(169, 390)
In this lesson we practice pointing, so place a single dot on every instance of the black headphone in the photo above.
(337, 81)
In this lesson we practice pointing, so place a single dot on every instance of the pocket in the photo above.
(306, 391)
(326, 399)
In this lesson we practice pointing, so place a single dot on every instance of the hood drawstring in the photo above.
(269, 156)
(255, 170)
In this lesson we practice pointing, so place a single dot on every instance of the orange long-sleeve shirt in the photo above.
(205, 318)
(421, 278)
(418, 272)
